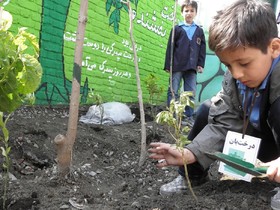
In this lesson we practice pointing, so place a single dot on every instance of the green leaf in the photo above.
(108, 6)
(32, 39)
(165, 117)
(9, 84)
(136, 3)
(125, 8)
(116, 27)
(119, 5)
(3, 150)
(4, 154)
(9, 102)
(111, 19)
(185, 129)
(30, 78)
(8, 150)
(114, 17)
(185, 98)
(5, 133)
(118, 16)
(5, 166)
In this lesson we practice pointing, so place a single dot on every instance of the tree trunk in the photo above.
(140, 98)
(64, 144)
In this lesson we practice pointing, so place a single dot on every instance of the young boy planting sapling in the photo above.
(245, 38)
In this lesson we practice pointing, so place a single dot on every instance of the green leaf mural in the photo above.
(115, 16)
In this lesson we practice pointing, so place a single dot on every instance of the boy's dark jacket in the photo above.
(188, 54)
(226, 113)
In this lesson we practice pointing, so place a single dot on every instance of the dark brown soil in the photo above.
(105, 172)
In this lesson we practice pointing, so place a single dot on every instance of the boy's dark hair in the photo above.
(244, 23)
(193, 4)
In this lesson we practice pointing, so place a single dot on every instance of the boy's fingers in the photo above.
(162, 163)
(271, 172)
(156, 156)
(155, 144)
(265, 164)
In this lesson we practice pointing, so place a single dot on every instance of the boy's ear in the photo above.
(275, 47)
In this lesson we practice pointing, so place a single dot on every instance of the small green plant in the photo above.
(154, 89)
(20, 75)
(97, 99)
(155, 92)
(173, 119)
(6, 149)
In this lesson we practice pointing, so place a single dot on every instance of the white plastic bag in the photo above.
(114, 113)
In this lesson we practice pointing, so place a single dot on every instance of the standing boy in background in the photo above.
(189, 52)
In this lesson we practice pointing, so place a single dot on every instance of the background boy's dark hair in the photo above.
(244, 23)
(193, 4)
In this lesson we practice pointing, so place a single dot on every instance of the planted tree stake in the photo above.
(64, 144)
(140, 97)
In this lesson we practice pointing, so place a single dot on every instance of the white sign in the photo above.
(245, 149)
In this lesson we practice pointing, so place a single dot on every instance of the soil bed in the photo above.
(106, 174)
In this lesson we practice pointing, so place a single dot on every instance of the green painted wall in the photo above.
(108, 61)
(108, 66)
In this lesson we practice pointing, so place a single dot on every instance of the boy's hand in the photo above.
(273, 171)
(169, 155)
(199, 69)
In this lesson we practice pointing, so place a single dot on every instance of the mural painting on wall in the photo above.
(108, 67)
(115, 17)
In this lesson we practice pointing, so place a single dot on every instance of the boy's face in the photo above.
(249, 65)
(189, 14)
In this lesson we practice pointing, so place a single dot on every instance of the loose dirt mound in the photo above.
(106, 174)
